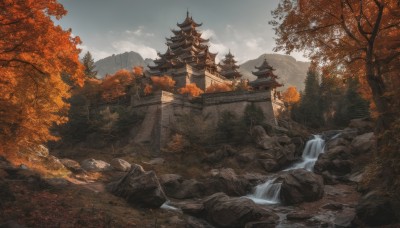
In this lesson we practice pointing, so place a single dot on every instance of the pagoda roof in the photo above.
(265, 82)
(264, 65)
(188, 22)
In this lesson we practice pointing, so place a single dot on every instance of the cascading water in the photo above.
(268, 192)
(312, 150)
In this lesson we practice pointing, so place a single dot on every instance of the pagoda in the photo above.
(188, 59)
(228, 68)
(266, 79)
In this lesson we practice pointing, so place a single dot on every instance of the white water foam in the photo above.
(269, 192)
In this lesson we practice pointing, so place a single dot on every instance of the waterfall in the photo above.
(312, 150)
(269, 192)
(266, 193)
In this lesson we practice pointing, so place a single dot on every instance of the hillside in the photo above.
(290, 71)
(112, 64)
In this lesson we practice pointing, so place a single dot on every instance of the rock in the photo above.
(41, 151)
(298, 216)
(336, 161)
(192, 222)
(299, 145)
(224, 211)
(262, 224)
(72, 165)
(120, 164)
(344, 218)
(53, 163)
(300, 185)
(376, 209)
(139, 188)
(336, 142)
(226, 180)
(349, 134)
(269, 165)
(224, 152)
(262, 139)
(328, 135)
(171, 183)
(364, 143)
(363, 125)
(189, 189)
(156, 161)
(285, 155)
(246, 157)
(94, 165)
(196, 209)
(333, 206)
(283, 140)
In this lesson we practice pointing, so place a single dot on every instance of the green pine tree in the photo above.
(88, 63)
(309, 110)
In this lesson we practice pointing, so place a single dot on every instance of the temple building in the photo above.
(228, 67)
(266, 79)
(188, 59)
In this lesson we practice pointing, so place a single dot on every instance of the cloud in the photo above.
(96, 54)
(139, 32)
(126, 46)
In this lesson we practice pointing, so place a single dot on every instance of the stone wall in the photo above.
(163, 110)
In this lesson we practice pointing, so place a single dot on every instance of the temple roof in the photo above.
(229, 68)
(265, 76)
(188, 22)
(186, 47)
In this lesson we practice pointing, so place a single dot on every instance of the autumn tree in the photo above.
(165, 83)
(353, 35)
(33, 54)
(116, 86)
(191, 89)
(219, 87)
(88, 63)
(291, 95)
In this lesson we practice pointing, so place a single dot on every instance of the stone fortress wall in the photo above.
(163, 110)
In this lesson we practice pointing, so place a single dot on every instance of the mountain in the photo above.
(112, 64)
(289, 71)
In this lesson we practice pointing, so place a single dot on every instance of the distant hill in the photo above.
(112, 64)
(290, 71)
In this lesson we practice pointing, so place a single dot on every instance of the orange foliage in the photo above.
(291, 95)
(165, 83)
(191, 89)
(148, 89)
(361, 38)
(115, 86)
(219, 87)
(33, 54)
(137, 70)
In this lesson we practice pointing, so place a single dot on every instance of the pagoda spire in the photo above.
(186, 47)
(265, 77)
(228, 67)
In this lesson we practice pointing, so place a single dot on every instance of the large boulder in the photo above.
(299, 185)
(171, 183)
(263, 140)
(189, 189)
(94, 165)
(225, 211)
(376, 209)
(363, 125)
(72, 165)
(139, 188)
(120, 164)
(335, 162)
(226, 180)
(364, 143)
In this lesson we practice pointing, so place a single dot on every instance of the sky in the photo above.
(113, 27)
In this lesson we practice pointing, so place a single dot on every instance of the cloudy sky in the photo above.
(112, 27)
